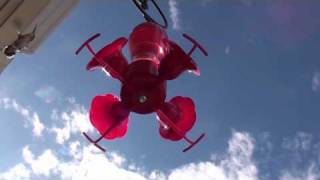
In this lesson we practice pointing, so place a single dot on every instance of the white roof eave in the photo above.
(21, 16)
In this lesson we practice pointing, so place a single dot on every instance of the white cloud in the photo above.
(47, 93)
(316, 82)
(18, 172)
(38, 127)
(238, 164)
(95, 165)
(43, 164)
(240, 153)
(174, 14)
(203, 171)
(74, 121)
(91, 164)
(82, 161)
(30, 117)
(86, 162)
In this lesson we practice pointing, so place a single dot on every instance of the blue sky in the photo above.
(257, 99)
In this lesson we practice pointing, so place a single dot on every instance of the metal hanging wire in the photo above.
(142, 5)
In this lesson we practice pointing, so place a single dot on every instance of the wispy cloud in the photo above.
(29, 117)
(47, 93)
(311, 173)
(298, 147)
(245, 2)
(301, 142)
(316, 82)
(174, 14)
(73, 120)
(227, 50)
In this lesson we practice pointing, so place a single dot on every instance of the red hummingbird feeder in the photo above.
(155, 59)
